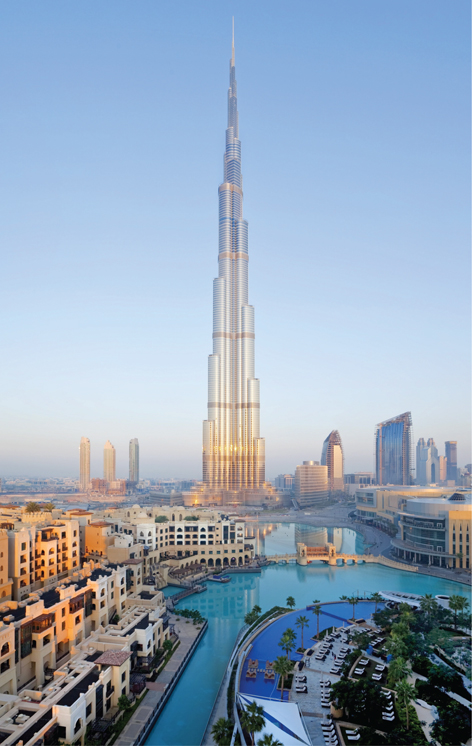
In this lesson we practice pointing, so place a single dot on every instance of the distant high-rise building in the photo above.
(284, 482)
(332, 457)
(311, 484)
(109, 462)
(360, 477)
(393, 450)
(427, 462)
(84, 455)
(442, 469)
(451, 455)
(233, 451)
(134, 460)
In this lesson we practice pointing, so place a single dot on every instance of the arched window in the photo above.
(5, 649)
(77, 726)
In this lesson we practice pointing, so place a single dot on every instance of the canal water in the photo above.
(186, 714)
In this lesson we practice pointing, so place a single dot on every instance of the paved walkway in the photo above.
(187, 634)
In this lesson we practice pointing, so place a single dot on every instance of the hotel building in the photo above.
(332, 456)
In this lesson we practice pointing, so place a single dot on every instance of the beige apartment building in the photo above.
(178, 536)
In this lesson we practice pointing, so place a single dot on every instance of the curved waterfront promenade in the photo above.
(185, 717)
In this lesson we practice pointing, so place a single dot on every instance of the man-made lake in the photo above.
(185, 716)
(282, 538)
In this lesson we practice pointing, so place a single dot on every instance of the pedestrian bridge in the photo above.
(328, 555)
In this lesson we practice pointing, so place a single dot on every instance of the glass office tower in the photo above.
(84, 453)
(393, 439)
(233, 451)
(451, 455)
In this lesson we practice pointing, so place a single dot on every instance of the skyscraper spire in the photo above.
(233, 451)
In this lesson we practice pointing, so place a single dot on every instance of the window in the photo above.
(77, 619)
(23, 546)
(63, 626)
(88, 709)
(123, 676)
(63, 612)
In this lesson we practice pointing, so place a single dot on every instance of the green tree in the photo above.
(167, 646)
(290, 602)
(161, 519)
(398, 670)
(377, 598)
(406, 692)
(282, 667)
(287, 641)
(353, 600)
(124, 703)
(33, 507)
(362, 699)
(429, 606)
(361, 640)
(252, 719)
(49, 507)
(443, 677)
(452, 726)
(302, 621)
(439, 638)
(317, 611)
(222, 732)
(257, 610)
(457, 604)
(269, 740)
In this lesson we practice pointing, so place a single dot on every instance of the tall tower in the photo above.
(84, 455)
(109, 462)
(332, 457)
(134, 460)
(233, 451)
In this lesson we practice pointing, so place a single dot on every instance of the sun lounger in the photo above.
(301, 689)
(363, 662)
(380, 667)
(300, 679)
(376, 677)
(354, 738)
(325, 706)
(352, 732)
(325, 683)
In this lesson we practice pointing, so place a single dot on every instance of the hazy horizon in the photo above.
(355, 131)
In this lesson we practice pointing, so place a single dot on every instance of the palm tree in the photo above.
(301, 622)
(377, 598)
(457, 603)
(257, 611)
(353, 600)
(222, 732)
(406, 692)
(428, 604)
(317, 611)
(290, 602)
(252, 719)
(287, 641)
(398, 670)
(282, 667)
(33, 508)
(269, 740)
(48, 506)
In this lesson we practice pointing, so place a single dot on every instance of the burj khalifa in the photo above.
(233, 451)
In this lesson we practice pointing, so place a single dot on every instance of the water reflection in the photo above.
(282, 538)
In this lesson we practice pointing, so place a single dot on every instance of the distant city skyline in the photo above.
(357, 190)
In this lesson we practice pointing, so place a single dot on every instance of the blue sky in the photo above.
(354, 121)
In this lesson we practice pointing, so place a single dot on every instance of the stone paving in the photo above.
(317, 671)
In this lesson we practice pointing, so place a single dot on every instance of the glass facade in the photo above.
(332, 457)
(393, 450)
(233, 451)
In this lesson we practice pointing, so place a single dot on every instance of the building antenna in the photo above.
(232, 47)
